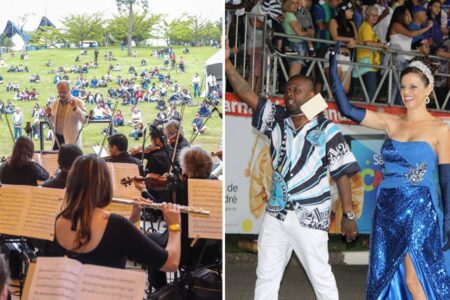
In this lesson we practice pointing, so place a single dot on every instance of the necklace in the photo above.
(298, 128)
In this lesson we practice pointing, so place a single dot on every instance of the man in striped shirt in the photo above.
(304, 154)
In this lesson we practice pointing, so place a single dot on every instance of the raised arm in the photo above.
(443, 150)
(375, 120)
(240, 86)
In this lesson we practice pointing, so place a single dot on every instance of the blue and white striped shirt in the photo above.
(314, 153)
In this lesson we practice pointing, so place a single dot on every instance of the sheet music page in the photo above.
(55, 278)
(14, 200)
(103, 283)
(205, 194)
(50, 162)
(41, 213)
(119, 171)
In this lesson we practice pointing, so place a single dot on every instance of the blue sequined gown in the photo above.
(408, 219)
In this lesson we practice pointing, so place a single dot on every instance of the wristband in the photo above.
(175, 227)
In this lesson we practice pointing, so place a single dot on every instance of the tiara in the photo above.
(424, 69)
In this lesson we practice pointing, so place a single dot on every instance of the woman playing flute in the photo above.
(88, 233)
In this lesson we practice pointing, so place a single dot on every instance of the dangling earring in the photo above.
(427, 100)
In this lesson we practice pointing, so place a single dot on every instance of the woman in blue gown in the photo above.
(409, 256)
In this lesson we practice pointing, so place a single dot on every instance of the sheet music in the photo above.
(41, 213)
(48, 160)
(55, 278)
(205, 194)
(102, 283)
(29, 211)
(13, 202)
(119, 171)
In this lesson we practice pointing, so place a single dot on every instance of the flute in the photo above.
(183, 209)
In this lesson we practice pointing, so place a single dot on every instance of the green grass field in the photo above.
(92, 134)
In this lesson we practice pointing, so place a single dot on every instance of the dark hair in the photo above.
(120, 141)
(67, 155)
(345, 27)
(4, 273)
(156, 133)
(23, 152)
(196, 162)
(398, 16)
(303, 78)
(429, 13)
(88, 186)
(427, 62)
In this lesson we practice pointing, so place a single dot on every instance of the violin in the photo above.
(218, 154)
(155, 181)
(137, 151)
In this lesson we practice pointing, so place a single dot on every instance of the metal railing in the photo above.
(273, 66)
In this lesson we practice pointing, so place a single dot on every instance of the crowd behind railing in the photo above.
(273, 40)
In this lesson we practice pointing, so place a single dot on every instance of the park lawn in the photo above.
(92, 134)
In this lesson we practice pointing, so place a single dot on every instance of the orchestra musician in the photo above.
(175, 138)
(67, 114)
(195, 163)
(66, 156)
(20, 167)
(4, 279)
(118, 146)
(88, 233)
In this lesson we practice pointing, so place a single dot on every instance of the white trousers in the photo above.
(276, 241)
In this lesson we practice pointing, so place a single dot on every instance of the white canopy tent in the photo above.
(214, 66)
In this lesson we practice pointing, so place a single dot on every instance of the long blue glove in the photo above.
(444, 182)
(355, 114)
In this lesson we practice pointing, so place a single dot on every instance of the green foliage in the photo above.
(5, 41)
(189, 28)
(127, 6)
(84, 27)
(47, 35)
(142, 27)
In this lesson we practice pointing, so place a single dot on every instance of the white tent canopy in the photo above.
(214, 65)
(18, 44)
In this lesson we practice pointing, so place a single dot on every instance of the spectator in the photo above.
(94, 82)
(292, 27)
(400, 38)
(181, 65)
(196, 85)
(419, 14)
(98, 112)
(174, 114)
(36, 129)
(343, 29)
(197, 124)
(17, 121)
(272, 9)
(254, 46)
(434, 13)
(118, 119)
(367, 37)
(137, 131)
(29, 130)
(136, 116)
(204, 110)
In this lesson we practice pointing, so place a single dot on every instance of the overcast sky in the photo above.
(55, 10)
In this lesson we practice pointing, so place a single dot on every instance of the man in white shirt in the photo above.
(17, 120)
(196, 85)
